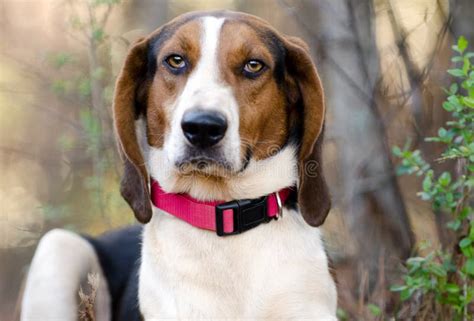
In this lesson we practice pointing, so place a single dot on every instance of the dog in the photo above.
(219, 120)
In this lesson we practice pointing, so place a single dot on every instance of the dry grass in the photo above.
(87, 299)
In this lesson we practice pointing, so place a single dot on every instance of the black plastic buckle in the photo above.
(247, 214)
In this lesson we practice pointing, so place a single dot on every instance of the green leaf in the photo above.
(374, 309)
(465, 242)
(85, 87)
(396, 151)
(454, 225)
(453, 89)
(445, 179)
(341, 314)
(452, 288)
(448, 106)
(98, 34)
(456, 73)
(437, 270)
(469, 266)
(427, 183)
(468, 102)
(466, 65)
(462, 44)
(442, 132)
(449, 197)
(61, 87)
(61, 59)
(398, 288)
(424, 196)
(405, 294)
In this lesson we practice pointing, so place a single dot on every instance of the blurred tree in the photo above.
(89, 25)
(74, 82)
(342, 35)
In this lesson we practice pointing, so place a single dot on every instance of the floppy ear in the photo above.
(313, 194)
(134, 185)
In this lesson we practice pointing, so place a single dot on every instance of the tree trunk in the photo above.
(342, 34)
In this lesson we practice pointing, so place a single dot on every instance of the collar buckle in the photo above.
(247, 214)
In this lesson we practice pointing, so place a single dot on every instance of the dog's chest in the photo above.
(191, 273)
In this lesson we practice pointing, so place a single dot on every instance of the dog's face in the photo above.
(215, 92)
(216, 95)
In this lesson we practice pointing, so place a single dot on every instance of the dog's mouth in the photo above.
(201, 165)
(211, 166)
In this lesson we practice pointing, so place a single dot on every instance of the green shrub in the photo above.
(446, 276)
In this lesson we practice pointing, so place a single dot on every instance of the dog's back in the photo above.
(61, 266)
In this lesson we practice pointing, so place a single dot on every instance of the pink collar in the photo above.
(226, 218)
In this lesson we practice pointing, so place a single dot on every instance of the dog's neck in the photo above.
(259, 178)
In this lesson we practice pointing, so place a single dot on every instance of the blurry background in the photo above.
(383, 66)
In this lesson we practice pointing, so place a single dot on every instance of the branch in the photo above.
(105, 17)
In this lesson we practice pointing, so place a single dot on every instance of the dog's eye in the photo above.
(253, 68)
(176, 62)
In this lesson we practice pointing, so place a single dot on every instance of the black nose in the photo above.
(203, 128)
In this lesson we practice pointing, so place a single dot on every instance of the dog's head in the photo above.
(207, 99)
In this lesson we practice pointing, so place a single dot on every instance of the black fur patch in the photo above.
(119, 255)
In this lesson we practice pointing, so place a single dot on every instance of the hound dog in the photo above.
(219, 120)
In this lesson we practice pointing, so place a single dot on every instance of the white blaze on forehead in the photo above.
(209, 45)
(204, 88)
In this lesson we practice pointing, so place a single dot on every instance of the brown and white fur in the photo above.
(275, 122)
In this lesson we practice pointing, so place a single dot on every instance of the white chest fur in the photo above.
(278, 270)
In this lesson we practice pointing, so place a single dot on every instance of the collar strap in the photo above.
(226, 218)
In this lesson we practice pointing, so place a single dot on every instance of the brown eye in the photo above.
(175, 62)
(253, 67)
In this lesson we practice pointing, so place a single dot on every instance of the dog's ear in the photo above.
(134, 185)
(313, 194)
